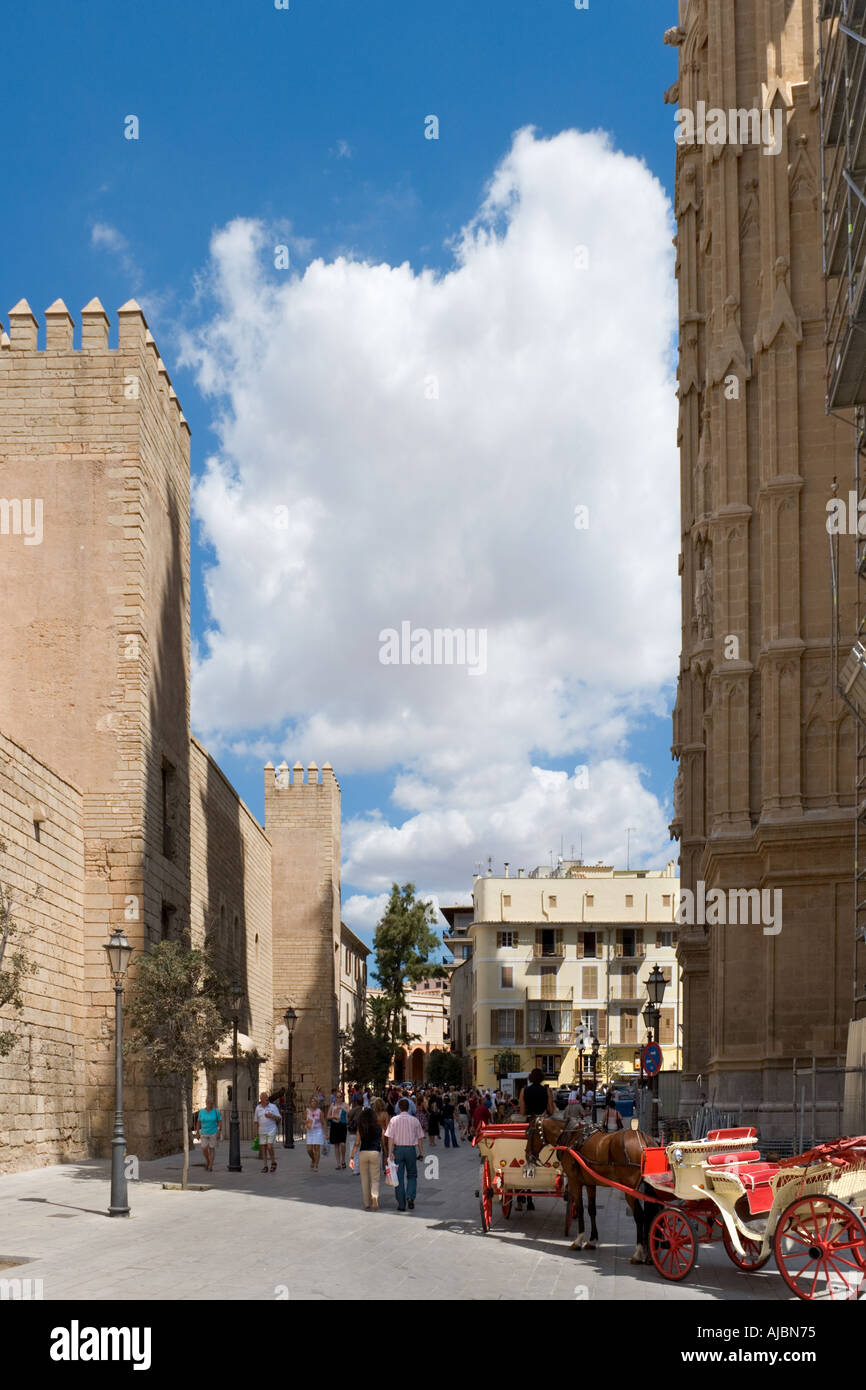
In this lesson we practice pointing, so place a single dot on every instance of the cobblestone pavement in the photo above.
(302, 1235)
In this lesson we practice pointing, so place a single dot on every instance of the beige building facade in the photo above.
(764, 793)
(559, 959)
(428, 1022)
(111, 814)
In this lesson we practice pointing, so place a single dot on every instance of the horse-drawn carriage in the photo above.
(504, 1174)
(808, 1211)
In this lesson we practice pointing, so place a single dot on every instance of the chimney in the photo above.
(506, 868)
(520, 873)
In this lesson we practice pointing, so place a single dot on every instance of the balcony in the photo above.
(628, 955)
(557, 995)
(548, 951)
(561, 1038)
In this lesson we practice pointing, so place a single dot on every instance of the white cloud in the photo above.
(428, 438)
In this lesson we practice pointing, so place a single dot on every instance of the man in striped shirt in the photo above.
(404, 1135)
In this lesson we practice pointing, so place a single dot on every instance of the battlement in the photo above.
(278, 779)
(133, 336)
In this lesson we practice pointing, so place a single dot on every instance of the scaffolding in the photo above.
(843, 179)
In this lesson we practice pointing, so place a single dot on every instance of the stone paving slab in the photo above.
(301, 1235)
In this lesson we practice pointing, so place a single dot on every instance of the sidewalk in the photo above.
(302, 1235)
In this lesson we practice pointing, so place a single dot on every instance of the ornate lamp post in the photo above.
(655, 988)
(342, 1039)
(595, 1046)
(291, 1019)
(235, 1121)
(119, 952)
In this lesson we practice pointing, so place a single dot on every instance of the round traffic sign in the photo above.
(651, 1058)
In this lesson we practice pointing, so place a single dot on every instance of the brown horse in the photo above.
(616, 1156)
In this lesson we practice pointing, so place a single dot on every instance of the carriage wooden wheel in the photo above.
(673, 1243)
(754, 1260)
(820, 1248)
(486, 1196)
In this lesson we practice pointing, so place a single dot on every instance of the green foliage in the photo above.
(178, 1011)
(445, 1069)
(16, 969)
(505, 1062)
(367, 1055)
(402, 946)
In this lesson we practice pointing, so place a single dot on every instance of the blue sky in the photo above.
(308, 124)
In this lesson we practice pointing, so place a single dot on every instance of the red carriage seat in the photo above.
(752, 1172)
(716, 1136)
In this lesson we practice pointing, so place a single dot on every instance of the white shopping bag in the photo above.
(391, 1173)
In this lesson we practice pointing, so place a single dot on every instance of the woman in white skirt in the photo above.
(315, 1132)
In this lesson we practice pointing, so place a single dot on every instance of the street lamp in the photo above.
(342, 1039)
(291, 1019)
(595, 1047)
(235, 1121)
(119, 952)
(655, 988)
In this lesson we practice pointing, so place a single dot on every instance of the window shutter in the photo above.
(619, 943)
(494, 1027)
(666, 1029)
(602, 1027)
(598, 948)
(518, 1027)
(658, 940)
(516, 939)
(580, 945)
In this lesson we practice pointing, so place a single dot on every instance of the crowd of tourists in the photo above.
(383, 1135)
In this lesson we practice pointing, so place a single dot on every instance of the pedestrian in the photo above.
(208, 1128)
(480, 1116)
(337, 1126)
(266, 1119)
(463, 1117)
(434, 1115)
(405, 1135)
(368, 1141)
(535, 1099)
(610, 1110)
(353, 1117)
(421, 1114)
(315, 1132)
(448, 1110)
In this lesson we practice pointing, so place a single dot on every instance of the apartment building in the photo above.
(563, 956)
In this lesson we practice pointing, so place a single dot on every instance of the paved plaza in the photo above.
(299, 1235)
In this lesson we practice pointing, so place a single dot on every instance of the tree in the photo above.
(402, 945)
(505, 1062)
(178, 1012)
(445, 1069)
(17, 968)
(367, 1056)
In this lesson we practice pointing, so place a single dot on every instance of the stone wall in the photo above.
(302, 820)
(230, 866)
(42, 1081)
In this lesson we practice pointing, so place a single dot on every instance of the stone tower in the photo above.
(94, 643)
(302, 821)
(764, 791)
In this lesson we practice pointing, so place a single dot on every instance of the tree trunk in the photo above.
(185, 1114)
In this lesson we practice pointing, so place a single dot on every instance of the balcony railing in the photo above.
(563, 1038)
(549, 952)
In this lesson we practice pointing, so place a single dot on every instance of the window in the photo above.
(668, 974)
(169, 809)
(549, 1063)
(589, 982)
(550, 1023)
(166, 921)
(589, 945)
(666, 899)
(506, 977)
(553, 900)
(590, 900)
(628, 983)
(664, 939)
(629, 899)
(666, 1028)
(505, 938)
(589, 1021)
(628, 1026)
(506, 899)
(506, 1026)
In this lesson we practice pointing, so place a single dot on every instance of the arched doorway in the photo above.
(418, 1064)
(400, 1065)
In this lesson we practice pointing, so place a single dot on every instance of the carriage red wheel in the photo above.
(754, 1259)
(486, 1197)
(820, 1248)
(570, 1213)
(673, 1244)
(506, 1205)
